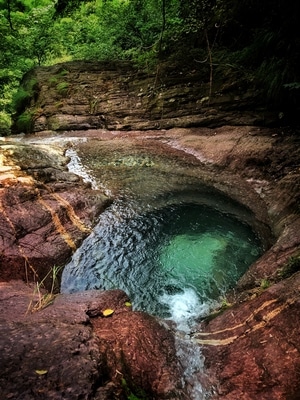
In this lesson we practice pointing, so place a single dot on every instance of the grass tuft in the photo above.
(44, 299)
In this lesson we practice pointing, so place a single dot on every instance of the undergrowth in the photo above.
(290, 268)
(42, 298)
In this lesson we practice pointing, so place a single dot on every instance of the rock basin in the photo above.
(256, 166)
(251, 345)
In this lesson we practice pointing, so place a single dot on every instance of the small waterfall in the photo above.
(192, 360)
(171, 251)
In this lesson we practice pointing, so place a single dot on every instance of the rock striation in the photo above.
(251, 345)
(253, 348)
(117, 96)
(45, 211)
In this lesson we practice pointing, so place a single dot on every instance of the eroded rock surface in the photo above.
(93, 95)
(61, 352)
(46, 211)
(252, 349)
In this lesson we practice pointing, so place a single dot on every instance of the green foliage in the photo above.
(292, 86)
(53, 81)
(272, 74)
(24, 122)
(41, 298)
(111, 29)
(25, 41)
(225, 304)
(62, 88)
(291, 267)
(265, 284)
(208, 34)
(138, 395)
(22, 97)
(39, 32)
(5, 123)
(63, 72)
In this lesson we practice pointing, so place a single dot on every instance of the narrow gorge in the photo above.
(101, 157)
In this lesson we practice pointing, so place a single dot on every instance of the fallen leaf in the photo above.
(41, 371)
(127, 304)
(108, 312)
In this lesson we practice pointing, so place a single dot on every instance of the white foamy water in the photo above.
(185, 307)
(192, 361)
(75, 165)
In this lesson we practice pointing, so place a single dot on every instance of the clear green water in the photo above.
(173, 262)
(174, 244)
(170, 240)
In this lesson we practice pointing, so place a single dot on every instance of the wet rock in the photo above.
(142, 351)
(60, 353)
(252, 349)
(46, 211)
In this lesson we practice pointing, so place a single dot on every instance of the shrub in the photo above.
(53, 81)
(24, 122)
(5, 123)
(22, 98)
(291, 267)
(62, 88)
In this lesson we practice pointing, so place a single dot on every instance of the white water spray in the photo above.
(185, 309)
(75, 165)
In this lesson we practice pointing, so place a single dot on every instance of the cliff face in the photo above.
(252, 348)
(90, 95)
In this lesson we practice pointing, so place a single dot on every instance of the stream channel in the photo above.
(171, 240)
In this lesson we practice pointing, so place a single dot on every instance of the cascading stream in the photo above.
(172, 243)
(173, 262)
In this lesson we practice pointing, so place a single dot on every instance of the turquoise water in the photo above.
(172, 242)
(173, 262)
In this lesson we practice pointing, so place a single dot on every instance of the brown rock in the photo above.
(253, 349)
(142, 351)
(45, 211)
(60, 353)
(83, 95)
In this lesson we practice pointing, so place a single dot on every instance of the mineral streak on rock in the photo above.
(251, 350)
(45, 212)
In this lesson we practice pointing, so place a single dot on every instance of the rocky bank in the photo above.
(70, 349)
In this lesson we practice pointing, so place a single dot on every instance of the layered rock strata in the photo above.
(46, 211)
(251, 348)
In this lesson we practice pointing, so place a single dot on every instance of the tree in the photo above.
(26, 40)
(261, 38)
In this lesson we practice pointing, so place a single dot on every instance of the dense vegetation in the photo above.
(259, 40)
